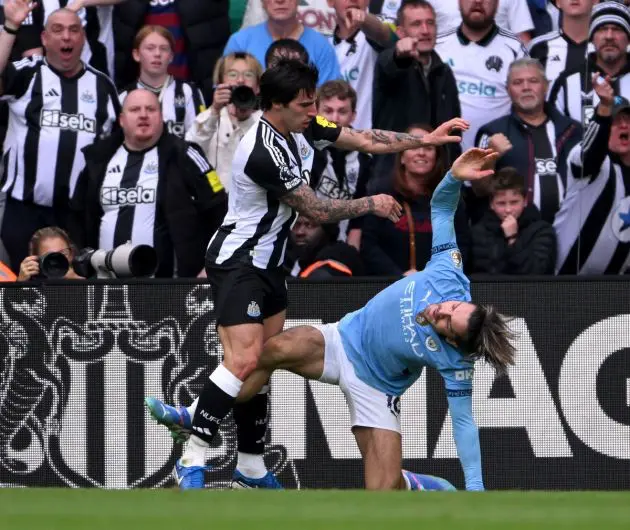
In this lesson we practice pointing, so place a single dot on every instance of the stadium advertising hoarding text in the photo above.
(76, 361)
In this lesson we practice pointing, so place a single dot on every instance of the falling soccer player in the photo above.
(376, 353)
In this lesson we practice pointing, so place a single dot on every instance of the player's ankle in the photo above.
(250, 465)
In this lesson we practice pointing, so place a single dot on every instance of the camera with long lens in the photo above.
(243, 97)
(53, 265)
(125, 261)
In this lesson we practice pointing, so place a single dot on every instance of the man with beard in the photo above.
(479, 53)
(540, 136)
(313, 251)
(609, 32)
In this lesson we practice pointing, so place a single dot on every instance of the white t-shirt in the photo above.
(480, 70)
(512, 15)
(357, 59)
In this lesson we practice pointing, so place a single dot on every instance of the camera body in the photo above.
(125, 261)
(243, 97)
(53, 265)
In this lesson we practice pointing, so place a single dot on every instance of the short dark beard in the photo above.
(479, 25)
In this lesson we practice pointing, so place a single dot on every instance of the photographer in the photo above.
(43, 243)
(219, 129)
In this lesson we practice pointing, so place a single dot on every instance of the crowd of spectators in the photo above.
(120, 118)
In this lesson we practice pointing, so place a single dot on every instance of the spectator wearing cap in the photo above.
(609, 32)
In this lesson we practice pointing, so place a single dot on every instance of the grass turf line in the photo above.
(66, 509)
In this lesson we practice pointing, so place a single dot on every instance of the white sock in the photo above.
(252, 466)
(195, 452)
(226, 380)
(193, 407)
(406, 481)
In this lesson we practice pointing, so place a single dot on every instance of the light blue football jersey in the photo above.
(386, 341)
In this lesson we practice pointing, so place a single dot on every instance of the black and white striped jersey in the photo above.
(51, 118)
(180, 101)
(572, 92)
(557, 53)
(98, 51)
(340, 174)
(128, 198)
(131, 194)
(266, 166)
(593, 224)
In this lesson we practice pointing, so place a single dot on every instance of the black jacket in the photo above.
(401, 96)
(568, 134)
(206, 28)
(191, 210)
(385, 246)
(533, 252)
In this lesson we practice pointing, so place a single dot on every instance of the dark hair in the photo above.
(509, 178)
(48, 232)
(411, 3)
(285, 80)
(285, 49)
(432, 179)
(489, 338)
(340, 89)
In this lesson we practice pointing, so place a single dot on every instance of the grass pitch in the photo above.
(65, 509)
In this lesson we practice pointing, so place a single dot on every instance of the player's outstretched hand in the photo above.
(441, 135)
(469, 166)
(387, 207)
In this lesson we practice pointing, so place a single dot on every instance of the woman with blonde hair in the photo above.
(405, 247)
(234, 110)
(153, 50)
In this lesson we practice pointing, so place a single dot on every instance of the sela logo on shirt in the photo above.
(546, 166)
(495, 63)
(69, 122)
(175, 127)
(155, 3)
(127, 196)
(476, 89)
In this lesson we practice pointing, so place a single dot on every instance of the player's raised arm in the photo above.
(471, 165)
(376, 141)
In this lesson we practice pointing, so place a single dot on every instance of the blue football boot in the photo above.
(175, 419)
(427, 482)
(189, 477)
(269, 481)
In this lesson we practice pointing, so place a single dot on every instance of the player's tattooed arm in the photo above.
(377, 141)
(304, 200)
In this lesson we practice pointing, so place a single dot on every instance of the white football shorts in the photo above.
(368, 406)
